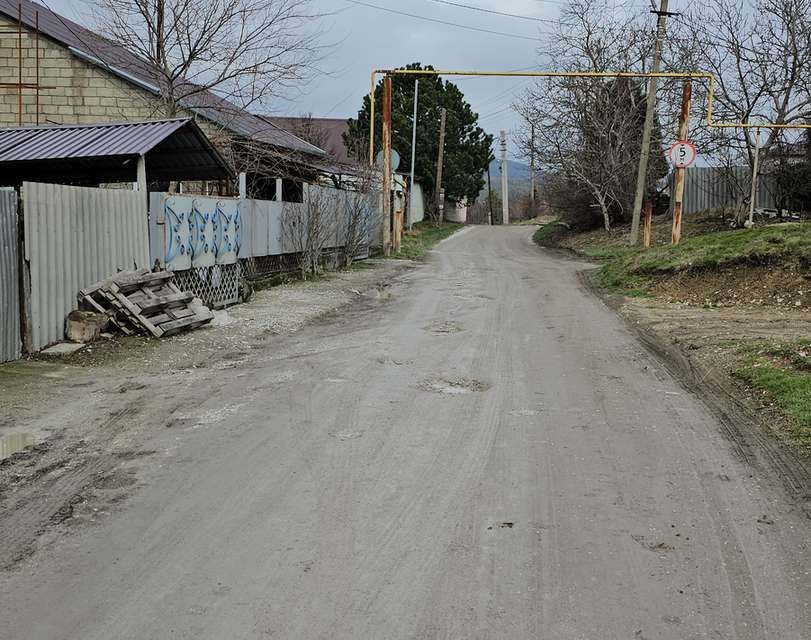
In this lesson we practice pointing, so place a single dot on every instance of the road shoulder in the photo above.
(690, 342)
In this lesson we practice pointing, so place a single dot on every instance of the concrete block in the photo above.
(85, 326)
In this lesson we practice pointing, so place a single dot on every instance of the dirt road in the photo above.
(487, 454)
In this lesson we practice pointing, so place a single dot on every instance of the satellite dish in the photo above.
(395, 159)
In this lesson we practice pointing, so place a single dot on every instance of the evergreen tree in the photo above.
(467, 146)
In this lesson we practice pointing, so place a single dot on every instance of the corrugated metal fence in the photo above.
(75, 236)
(724, 188)
(10, 345)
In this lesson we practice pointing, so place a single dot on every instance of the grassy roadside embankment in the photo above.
(722, 273)
(423, 237)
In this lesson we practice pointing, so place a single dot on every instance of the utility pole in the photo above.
(387, 165)
(750, 222)
(489, 197)
(678, 181)
(440, 192)
(505, 182)
(413, 149)
(532, 168)
(650, 112)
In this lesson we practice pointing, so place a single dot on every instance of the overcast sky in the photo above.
(365, 37)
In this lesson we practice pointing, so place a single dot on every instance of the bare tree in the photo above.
(245, 51)
(309, 228)
(359, 213)
(589, 130)
(308, 128)
(760, 53)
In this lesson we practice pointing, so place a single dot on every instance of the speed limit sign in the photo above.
(683, 154)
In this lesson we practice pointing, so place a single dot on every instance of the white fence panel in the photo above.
(10, 345)
(195, 231)
(263, 228)
(75, 236)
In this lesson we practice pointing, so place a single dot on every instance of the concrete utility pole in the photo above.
(532, 168)
(387, 165)
(413, 150)
(489, 197)
(440, 192)
(650, 112)
(505, 182)
(678, 181)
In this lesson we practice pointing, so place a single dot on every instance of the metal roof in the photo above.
(175, 149)
(331, 129)
(113, 58)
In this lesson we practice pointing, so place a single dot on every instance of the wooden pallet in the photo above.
(144, 302)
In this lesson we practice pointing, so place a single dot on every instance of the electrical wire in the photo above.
(494, 12)
(445, 22)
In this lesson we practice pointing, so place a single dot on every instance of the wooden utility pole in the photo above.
(678, 181)
(754, 190)
(387, 165)
(505, 182)
(647, 227)
(650, 112)
(440, 192)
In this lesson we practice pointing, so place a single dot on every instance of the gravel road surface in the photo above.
(486, 453)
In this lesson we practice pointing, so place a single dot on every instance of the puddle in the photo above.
(454, 387)
(15, 442)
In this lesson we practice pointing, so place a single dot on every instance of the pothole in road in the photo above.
(346, 435)
(441, 327)
(524, 413)
(454, 386)
(115, 480)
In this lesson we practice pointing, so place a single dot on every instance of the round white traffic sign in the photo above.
(683, 154)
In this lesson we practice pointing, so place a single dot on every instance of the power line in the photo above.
(445, 22)
(493, 11)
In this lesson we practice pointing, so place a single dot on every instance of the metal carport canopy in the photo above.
(175, 149)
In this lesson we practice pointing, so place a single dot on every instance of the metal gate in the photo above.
(10, 344)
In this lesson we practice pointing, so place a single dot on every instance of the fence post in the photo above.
(24, 279)
(648, 224)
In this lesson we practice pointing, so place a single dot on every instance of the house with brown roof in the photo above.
(84, 78)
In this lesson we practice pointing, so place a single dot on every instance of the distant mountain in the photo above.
(517, 172)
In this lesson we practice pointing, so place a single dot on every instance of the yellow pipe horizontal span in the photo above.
(688, 75)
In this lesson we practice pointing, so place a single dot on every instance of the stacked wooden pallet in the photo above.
(145, 302)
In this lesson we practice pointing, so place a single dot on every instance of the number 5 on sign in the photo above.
(682, 154)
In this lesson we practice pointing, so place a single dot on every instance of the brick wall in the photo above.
(82, 93)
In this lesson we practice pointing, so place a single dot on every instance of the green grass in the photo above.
(548, 234)
(423, 237)
(714, 250)
(629, 269)
(783, 372)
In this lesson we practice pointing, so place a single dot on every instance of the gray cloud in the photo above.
(364, 38)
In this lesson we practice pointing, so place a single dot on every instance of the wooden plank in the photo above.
(164, 301)
(135, 312)
(89, 301)
(197, 320)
